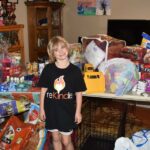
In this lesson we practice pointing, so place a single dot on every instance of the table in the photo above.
(126, 97)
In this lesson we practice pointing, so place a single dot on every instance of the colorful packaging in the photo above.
(121, 75)
(76, 56)
(38, 138)
(95, 82)
(134, 53)
(147, 57)
(147, 85)
(33, 115)
(145, 71)
(10, 107)
(145, 41)
(15, 134)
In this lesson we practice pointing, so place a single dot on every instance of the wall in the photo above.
(75, 25)
(21, 18)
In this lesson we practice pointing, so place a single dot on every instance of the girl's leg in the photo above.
(57, 140)
(66, 140)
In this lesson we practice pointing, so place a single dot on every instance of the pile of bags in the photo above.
(27, 135)
(123, 66)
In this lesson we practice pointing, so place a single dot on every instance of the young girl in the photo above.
(61, 94)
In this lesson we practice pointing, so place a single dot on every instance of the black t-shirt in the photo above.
(59, 103)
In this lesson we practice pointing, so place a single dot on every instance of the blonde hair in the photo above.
(53, 44)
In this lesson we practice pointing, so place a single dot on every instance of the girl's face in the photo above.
(61, 52)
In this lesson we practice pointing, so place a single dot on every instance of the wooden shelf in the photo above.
(48, 14)
(19, 47)
(11, 27)
(45, 27)
(15, 48)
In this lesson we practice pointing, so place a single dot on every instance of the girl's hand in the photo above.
(42, 115)
(78, 118)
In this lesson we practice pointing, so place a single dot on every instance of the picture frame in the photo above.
(13, 1)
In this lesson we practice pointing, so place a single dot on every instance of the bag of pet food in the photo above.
(145, 40)
(145, 71)
(38, 138)
(76, 56)
(15, 134)
(32, 116)
(134, 53)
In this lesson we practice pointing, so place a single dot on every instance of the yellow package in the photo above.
(88, 68)
(95, 82)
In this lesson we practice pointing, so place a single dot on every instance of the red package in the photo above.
(134, 53)
(145, 71)
(15, 134)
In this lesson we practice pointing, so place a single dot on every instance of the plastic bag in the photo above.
(120, 75)
(95, 50)
(139, 141)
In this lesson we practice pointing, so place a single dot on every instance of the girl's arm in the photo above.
(42, 96)
(78, 115)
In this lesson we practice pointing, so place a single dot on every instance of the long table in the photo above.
(126, 97)
(33, 95)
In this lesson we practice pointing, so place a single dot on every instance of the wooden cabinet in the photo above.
(44, 22)
(13, 34)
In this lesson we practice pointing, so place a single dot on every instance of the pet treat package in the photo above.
(146, 40)
(38, 138)
(15, 134)
(32, 116)
(134, 53)
(147, 57)
(145, 71)
(9, 107)
(76, 54)
(148, 85)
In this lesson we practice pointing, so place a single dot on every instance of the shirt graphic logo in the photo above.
(59, 84)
